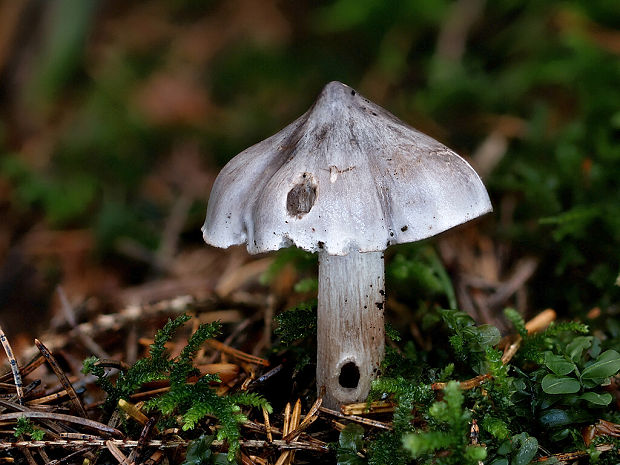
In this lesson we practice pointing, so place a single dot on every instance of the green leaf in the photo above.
(607, 364)
(558, 364)
(577, 346)
(496, 427)
(351, 437)
(350, 442)
(553, 384)
(505, 447)
(554, 418)
(597, 399)
(526, 452)
(199, 451)
(488, 335)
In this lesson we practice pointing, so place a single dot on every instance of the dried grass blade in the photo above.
(116, 452)
(217, 345)
(307, 421)
(293, 426)
(75, 400)
(284, 456)
(267, 425)
(46, 399)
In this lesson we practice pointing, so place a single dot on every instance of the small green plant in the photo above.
(410, 397)
(297, 323)
(551, 390)
(25, 427)
(469, 341)
(449, 432)
(192, 402)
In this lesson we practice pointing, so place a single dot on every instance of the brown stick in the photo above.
(100, 442)
(536, 324)
(569, 456)
(361, 408)
(356, 419)
(14, 368)
(62, 417)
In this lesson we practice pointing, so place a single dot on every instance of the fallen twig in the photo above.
(465, 385)
(75, 400)
(14, 368)
(62, 417)
(366, 408)
(162, 444)
(569, 456)
(356, 419)
(217, 345)
(536, 324)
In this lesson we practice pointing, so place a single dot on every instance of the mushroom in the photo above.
(346, 179)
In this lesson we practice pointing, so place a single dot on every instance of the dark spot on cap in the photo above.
(301, 197)
(352, 92)
(321, 244)
(379, 305)
(404, 228)
(391, 233)
(381, 291)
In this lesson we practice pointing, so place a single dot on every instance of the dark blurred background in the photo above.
(115, 117)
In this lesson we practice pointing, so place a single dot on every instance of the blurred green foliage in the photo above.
(552, 68)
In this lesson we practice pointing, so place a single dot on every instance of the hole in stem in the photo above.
(349, 375)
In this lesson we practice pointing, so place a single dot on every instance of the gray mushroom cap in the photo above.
(346, 175)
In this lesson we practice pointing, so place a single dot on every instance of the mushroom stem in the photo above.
(350, 330)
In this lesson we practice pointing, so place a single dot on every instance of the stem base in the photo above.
(350, 327)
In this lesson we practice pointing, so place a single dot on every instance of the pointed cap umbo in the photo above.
(346, 175)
